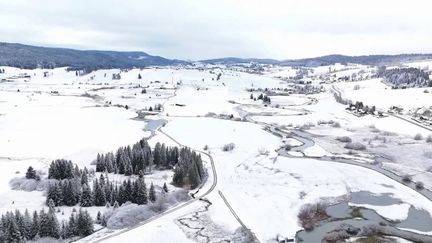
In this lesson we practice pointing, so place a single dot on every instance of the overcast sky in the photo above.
(199, 29)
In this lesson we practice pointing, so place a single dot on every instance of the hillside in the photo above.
(327, 60)
(25, 56)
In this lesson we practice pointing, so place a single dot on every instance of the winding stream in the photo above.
(342, 214)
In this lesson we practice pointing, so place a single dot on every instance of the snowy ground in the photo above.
(266, 191)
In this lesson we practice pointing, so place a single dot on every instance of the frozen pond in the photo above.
(343, 214)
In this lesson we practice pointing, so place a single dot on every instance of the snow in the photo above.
(251, 181)
(388, 212)
(372, 91)
(264, 189)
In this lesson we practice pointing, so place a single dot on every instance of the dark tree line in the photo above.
(71, 192)
(140, 157)
(405, 77)
(188, 167)
(72, 184)
(63, 169)
(20, 227)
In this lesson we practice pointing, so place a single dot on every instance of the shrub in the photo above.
(228, 147)
(355, 146)
(429, 139)
(406, 178)
(307, 126)
(419, 185)
(418, 136)
(336, 125)
(127, 215)
(310, 214)
(344, 139)
(29, 185)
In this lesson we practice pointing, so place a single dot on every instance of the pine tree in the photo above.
(13, 234)
(163, 156)
(51, 206)
(31, 174)
(72, 226)
(19, 219)
(104, 221)
(27, 225)
(49, 226)
(99, 217)
(35, 225)
(152, 193)
(127, 191)
(84, 223)
(141, 194)
(157, 154)
(165, 187)
(116, 204)
(86, 196)
(128, 167)
(99, 194)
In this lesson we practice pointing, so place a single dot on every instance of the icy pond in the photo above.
(359, 217)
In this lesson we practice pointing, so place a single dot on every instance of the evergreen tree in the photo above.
(86, 196)
(84, 223)
(152, 193)
(19, 219)
(31, 174)
(104, 221)
(116, 204)
(35, 225)
(72, 228)
(64, 230)
(49, 226)
(84, 176)
(51, 206)
(127, 167)
(157, 154)
(99, 217)
(13, 234)
(28, 224)
(99, 194)
(165, 187)
(163, 156)
(127, 191)
(141, 194)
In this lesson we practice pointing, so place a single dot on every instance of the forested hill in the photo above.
(327, 60)
(25, 56)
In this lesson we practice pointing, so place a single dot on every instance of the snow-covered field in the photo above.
(374, 92)
(76, 117)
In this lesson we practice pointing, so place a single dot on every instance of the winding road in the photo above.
(301, 136)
